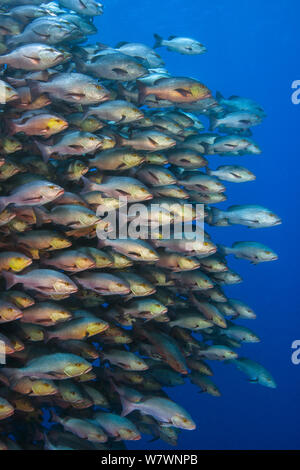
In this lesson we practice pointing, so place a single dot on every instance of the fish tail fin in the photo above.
(102, 46)
(44, 149)
(54, 417)
(217, 215)
(4, 380)
(213, 123)
(86, 115)
(3, 203)
(34, 87)
(127, 406)
(223, 250)
(219, 96)
(101, 244)
(10, 127)
(158, 41)
(80, 65)
(10, 278)
(13, 375)
(143, 92)
(87, 185)
(41, 216)
(47, 336)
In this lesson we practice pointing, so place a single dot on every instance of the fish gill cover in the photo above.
(94, 327)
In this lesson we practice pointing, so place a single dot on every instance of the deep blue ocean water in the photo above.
(253, 51)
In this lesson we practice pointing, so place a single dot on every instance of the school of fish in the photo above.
(95, 331)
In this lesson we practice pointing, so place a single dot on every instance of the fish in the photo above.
(252, 251)
(72, 143)
(117, 427)
(71, 88)
(238, 103)
(81, 428)
(162, 409)
(46, 281)
(177, 90)
(116, 112)
(137, 250)
(57, 366)
(46, 314)
(35, 193)
(33, 57)
(116, 160)
(186, 46)
(12, 261)
(233, 174)
(113, 66)
(205, 384)
(253, 216)
(40, 124)
(255, 371)
(235, 120)
(102, 283)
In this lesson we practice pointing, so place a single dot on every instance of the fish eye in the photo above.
(78, 364)
(118, 284)
(99, 87)
(205, 244)
(52, 186)
(268, 252)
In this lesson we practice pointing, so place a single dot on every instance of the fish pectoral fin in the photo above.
(152, 141)
(33, 199)
(119, 71)
(44, 36)
(123, 117)
(253, 381)
(183, 92)
(35, 60)
(75, 96)
(76, 147)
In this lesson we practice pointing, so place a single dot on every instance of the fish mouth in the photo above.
(60, 192)
(9, 413)
(60, 57)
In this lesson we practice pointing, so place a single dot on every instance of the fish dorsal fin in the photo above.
(233, 97)
(159, 80)
(171, 37)
(236, 206)
(120, 44)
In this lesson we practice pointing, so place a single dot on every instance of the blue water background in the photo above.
(253, 51)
